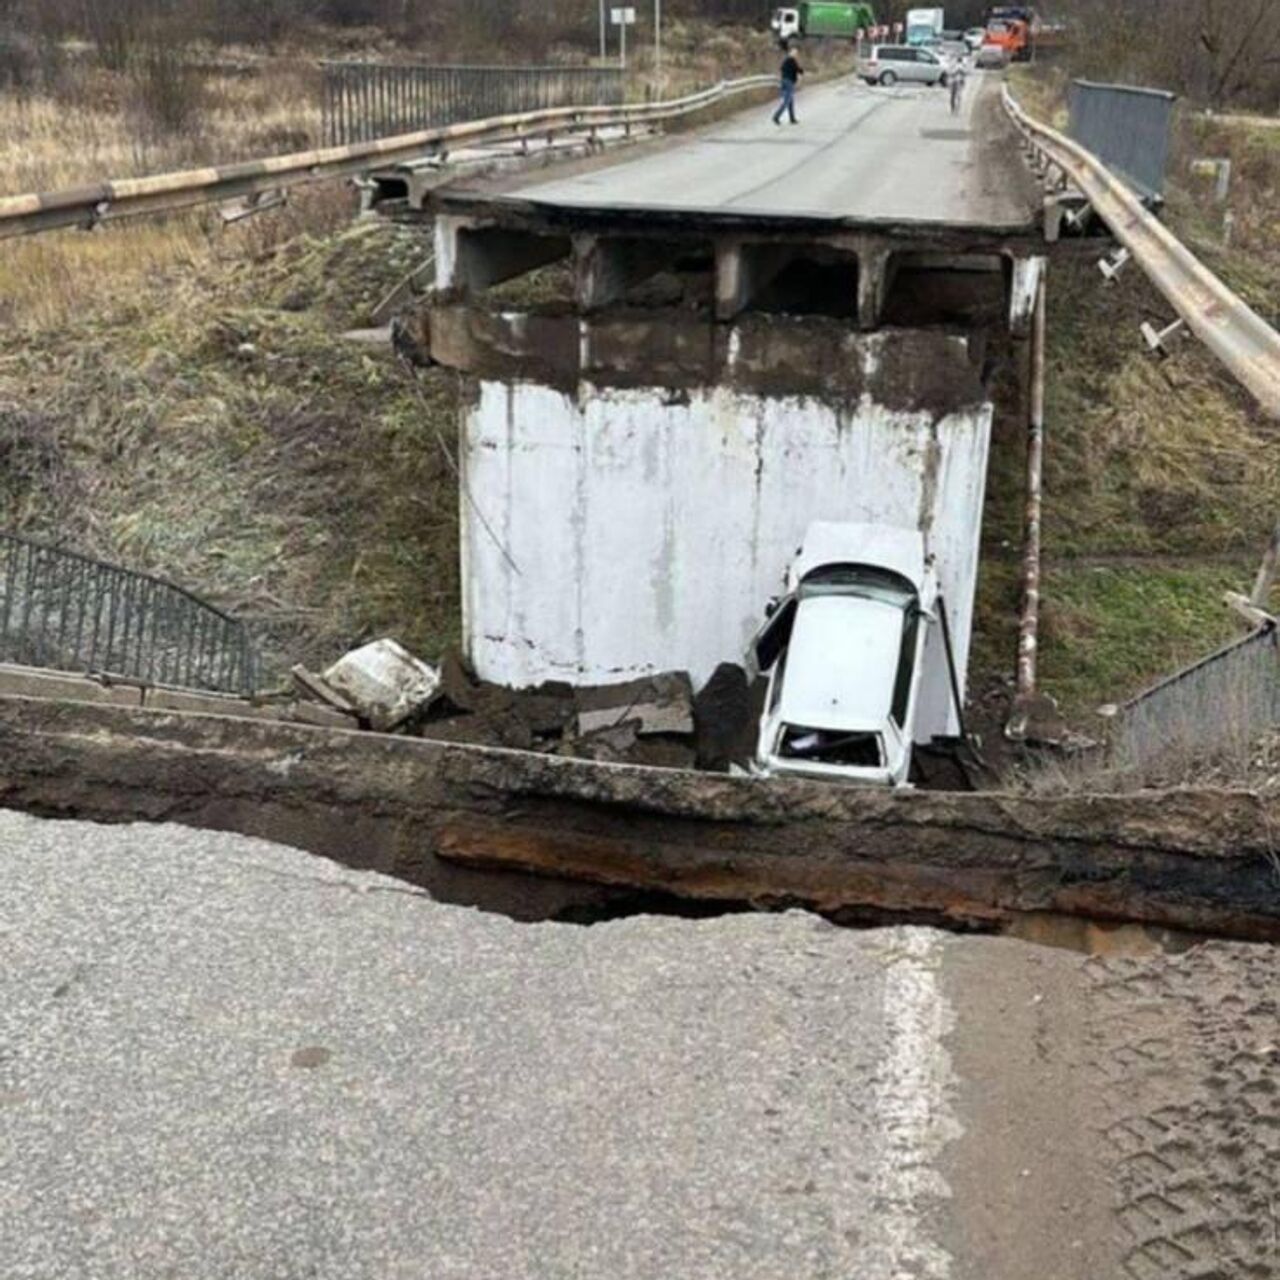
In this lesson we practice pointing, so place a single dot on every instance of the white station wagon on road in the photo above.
(843, 653)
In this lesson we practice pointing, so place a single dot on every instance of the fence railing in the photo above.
(1215, 709)
(70, 612)
(366, 100)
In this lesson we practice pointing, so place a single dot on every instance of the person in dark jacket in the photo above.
(791, 73)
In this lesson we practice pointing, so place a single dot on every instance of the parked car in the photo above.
(844, 652)
(991, 57)
(975, 37)
(953, 53)
(888, 63)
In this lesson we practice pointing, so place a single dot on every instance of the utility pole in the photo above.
(604, 47)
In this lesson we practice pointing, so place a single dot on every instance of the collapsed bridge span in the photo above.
(458, 820)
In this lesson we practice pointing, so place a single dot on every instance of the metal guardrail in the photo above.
(1127, 128)
(164, 193)
(366, 100)
(1224, 322)
(70, 612)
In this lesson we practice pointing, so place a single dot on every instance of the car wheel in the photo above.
(942, 80)
(887, 78)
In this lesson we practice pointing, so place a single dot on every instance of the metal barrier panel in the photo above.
(1127, 128)
(364, 101)
(1217, 707)
(69, 612)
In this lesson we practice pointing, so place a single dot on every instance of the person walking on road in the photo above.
(791, 73)
(957, 88)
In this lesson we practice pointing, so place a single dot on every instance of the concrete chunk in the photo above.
(658, 704)
(384, 682)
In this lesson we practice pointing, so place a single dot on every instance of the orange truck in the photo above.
(1013, 35)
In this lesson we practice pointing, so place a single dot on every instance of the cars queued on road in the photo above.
(920, 50)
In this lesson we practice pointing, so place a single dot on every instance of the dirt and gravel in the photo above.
(221, 1057)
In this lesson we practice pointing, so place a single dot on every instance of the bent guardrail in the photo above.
(168, 192)
(70, 612)
(1224, 322)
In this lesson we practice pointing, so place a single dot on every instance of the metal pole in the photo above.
(657, 40)
(604, 43)
(1267, 572)
(1028, 641)
(623, 38)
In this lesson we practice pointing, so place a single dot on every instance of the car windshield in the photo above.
(867, 581)
(857, 750)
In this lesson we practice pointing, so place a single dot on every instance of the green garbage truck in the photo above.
(816, 19)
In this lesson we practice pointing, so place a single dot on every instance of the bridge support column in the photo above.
(744, 271)
(607, 267)
(471, 256)
(876, 268)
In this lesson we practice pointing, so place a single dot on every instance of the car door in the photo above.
(774, 636)
(928, 69)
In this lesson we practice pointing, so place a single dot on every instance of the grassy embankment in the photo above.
(1162, 479)
(175, 396)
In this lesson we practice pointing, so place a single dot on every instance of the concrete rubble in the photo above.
(384, 682)
(656, 720)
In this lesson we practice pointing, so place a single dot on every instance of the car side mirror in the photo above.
(772, 607)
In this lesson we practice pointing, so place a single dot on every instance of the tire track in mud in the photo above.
(1185, 1052)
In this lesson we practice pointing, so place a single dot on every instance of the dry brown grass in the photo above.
(95, 128)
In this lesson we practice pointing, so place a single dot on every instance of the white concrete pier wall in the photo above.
(647, 529)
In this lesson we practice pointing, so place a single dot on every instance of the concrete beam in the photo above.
(1024, 287)
(607, 266)
(471, 256)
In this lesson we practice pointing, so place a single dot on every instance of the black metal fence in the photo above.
(366, 100)
(70, 612)
(1127, 128)
(1217, 708)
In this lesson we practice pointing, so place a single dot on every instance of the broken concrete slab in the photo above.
(610, 744)
(659, 704)
(452, 818)
(384, 682)
(725, 716)
(315, 688)
(37, 682)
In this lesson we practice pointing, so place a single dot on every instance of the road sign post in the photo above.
(623, 18)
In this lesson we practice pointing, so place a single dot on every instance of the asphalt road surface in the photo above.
(222, 1058)
(860, 153)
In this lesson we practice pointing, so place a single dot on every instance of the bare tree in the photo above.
(1241, 43)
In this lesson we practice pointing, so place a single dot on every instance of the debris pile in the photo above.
(655, 720)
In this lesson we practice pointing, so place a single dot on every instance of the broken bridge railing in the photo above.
(70, 612)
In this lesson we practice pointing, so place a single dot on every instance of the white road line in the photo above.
(913, 1106)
